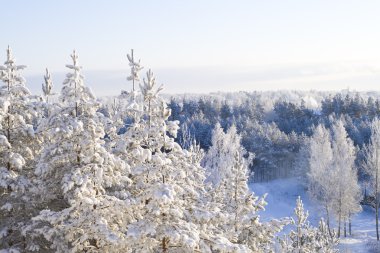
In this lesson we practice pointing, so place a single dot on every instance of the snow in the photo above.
(281, 198)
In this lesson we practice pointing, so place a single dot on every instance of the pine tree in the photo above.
(307, 239)
(227, 164)
(132, 108)
(171, 207)
(17, 152)
(135, 69)
(215, 160)
(126, 110)
(167, 187)
(47, 86)
(82, 185)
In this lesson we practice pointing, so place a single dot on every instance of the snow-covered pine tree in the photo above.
(17, 152)
(325, 241)
(306, 239)
(132, 107)
(135, 69)
(227, 164)
(45, 105)
(82, 185)
(158, 180)
(170, 208)
(301, 239)
(47, 86)
(126, 110)
(372, 166)
(215, 160)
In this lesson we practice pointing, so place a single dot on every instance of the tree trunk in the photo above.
(339, 221)
(377, 217)
(78, 157)
(149, 114)
(345, 230)
(340, 212)
(236, 207)
(349, 224)
(377, 194)
(9, 137)
(299, 235)
(328, 219)
(133, 77)
(164, 245)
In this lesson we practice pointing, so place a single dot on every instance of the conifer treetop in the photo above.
(148, 89)
(48, 85)
(135, 69)
(9, 72)
(73, 89)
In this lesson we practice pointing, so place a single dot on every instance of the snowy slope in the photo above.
(282, 195)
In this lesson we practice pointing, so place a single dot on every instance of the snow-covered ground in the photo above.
(282, 195)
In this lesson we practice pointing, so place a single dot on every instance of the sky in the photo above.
(199, 46)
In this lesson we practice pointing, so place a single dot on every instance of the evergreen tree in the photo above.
(227, 164)
(82, 186)
(47, 86)
(17, 152)
(307, 239)
(167, 185)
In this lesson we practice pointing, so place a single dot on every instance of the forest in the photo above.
(147, 171)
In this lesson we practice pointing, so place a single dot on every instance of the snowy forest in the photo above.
(146, 171)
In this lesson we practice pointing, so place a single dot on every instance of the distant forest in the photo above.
(275, 125)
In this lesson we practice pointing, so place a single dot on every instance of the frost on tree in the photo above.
(133, 107)
(372, 166)
(130, 100)
(18, 148)
(347, 193)
(47, 86)
(135, 69)
(167, 187)
(125, 110)
(45, 105)
(171, 210)
(305, 238)
(227, 165)
(332, 176)
(320, 170)
(83, 186)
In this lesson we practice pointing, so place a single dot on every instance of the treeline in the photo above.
(274, 132)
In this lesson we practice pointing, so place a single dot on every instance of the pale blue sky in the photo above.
(200, 46)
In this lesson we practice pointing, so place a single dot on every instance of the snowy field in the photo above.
(281, 198)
